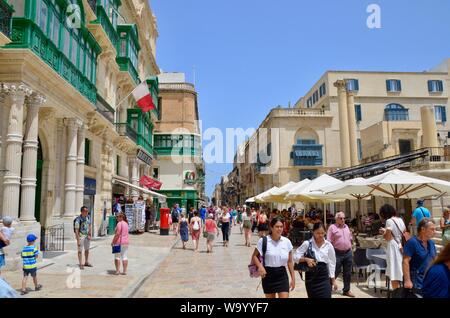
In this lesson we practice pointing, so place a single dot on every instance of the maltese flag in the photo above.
(143, 97)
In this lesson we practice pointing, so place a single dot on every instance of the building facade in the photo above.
(70, 132)
(345, 124)
(178, 143)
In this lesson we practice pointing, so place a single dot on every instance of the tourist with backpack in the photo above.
(83, 234)
(277, 251)
(418, 214)
(195, 226)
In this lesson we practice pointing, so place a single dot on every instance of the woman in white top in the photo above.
(225, 221)
(278, 255)
(393, 234)
(322, 264)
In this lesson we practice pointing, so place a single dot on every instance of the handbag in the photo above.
(405, 235)
(205, 234)
(303, 266)
(117, 248)
(252, 268)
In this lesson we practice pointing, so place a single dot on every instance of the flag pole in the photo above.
(125, 98)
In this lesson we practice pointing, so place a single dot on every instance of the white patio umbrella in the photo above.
(278, 195)
(397, 184)
(259, 197)
(250, 200)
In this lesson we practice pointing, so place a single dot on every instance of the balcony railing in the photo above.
(93, 5)
(177, 86)
(6, 12)
(105, 109)
(141, 141)
(300, 112)
(123, 129)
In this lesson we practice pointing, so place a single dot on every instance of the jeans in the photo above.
(226, 231)
(344, 260)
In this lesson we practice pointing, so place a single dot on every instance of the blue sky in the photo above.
(252, 55)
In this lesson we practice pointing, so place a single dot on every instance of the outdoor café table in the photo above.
(371, 242)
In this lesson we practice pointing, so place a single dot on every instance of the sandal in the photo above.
(38, 287)
(88, 265)
(23, 292)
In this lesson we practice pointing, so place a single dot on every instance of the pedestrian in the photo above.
(175, 215)
(341, 238)
(148, 215)
(183, 230)
(320, 279)
(277, 256)
(263, 224)
(393, 235)
(83, 234)
(418, 214)
(211, 230)
(247, 226)
(6, 233)
(225, 221)
(445, 226)
(190, 214)
(254, 220)
(29, 255)
(436, 283)
(418, 253)
(195, 227)
(121, 239)
(117, 208)
(203, 214)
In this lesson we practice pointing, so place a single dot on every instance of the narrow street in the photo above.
(222, 274)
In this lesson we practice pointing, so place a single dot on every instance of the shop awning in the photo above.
(152, 193)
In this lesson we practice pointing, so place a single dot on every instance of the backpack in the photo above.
(196, 226)
(74, 222)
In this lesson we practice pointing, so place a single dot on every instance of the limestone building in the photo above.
(71, 135)
(178, 143)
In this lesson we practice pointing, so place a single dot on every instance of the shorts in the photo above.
(2, 260)
(30, 271)
(85, 243)
(123, 255)
(211, 237)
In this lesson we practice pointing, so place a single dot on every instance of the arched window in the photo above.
(395, 112)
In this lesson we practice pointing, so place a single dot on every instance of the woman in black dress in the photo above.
(277, 254)
(320, 256)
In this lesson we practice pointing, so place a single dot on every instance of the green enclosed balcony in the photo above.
(178, 145)
(107, 15)
(71, 52)
(6, 12)
(128, 50)
(141, 123)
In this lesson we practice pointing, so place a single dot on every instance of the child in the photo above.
(5, 237)
(29, 256)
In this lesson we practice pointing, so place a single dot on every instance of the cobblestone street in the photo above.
(223, 274)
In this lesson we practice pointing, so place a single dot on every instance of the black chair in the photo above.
(360, 262)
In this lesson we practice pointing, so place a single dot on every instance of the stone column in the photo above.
(71, 168)
(80, 168)
(352, 129)
(13, 148)
(29, 160)
(60, 165)
(343, 124)
(133, 162)
(429, 129)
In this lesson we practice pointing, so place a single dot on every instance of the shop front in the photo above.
(90, 186)
(185, 198)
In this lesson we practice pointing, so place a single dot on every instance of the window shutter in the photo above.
(388, 87)
(356, 85)
(399, 86)
(444, 114)
(358, 114)
(440, 86)
(430, 88)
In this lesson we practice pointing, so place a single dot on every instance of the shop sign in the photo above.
(90, 186)
(190, 177)
(145, 157)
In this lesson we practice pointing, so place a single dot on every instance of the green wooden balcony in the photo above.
(103, 20)
(123, 129)
(27, 35)
(128, 50)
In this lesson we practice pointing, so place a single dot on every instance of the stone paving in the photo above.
(145, 253)
(223, 274)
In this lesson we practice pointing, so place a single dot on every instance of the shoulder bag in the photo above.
(252, 268)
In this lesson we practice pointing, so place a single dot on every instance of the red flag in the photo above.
(150, 183)
(143, 97)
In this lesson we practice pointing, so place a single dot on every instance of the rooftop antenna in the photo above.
(194, 74)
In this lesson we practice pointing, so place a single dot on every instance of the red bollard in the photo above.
(164, 225)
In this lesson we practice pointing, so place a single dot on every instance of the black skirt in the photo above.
(317, 282)
(276, 280)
